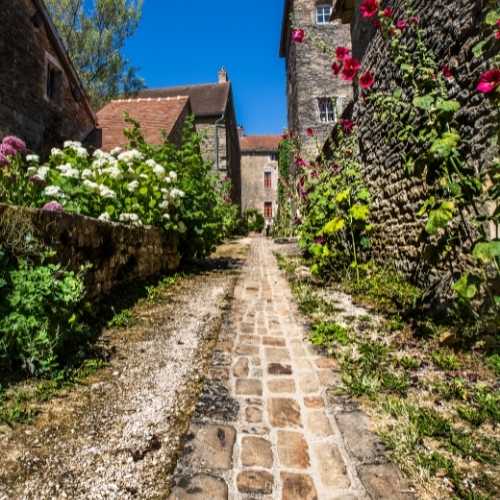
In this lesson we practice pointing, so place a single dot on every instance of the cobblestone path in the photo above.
(262, 428)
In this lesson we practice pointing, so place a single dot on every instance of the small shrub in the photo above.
(254, 220)
(328, 334)
(445, 360)
(123, 319)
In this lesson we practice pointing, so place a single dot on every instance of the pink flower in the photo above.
(300, 162)
(388, 12)
(347, 125)
(447, 72)
(497, 35)
(489, 81)
(18, 144)
(7, 149)
(336, 68)
(351, 68)
(342, 53)
(401, 24)
(298, 35)
(366, 80)
(369, 8)
(53, 206)
(310, 132)
(414, 20)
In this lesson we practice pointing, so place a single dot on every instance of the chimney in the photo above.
(223, 75)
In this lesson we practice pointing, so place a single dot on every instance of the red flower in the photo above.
(347, 125)
(298, 35)
(447, 72)
(336, 67)
(401, 24)
(366, 80)
(369, 8)
(310, 132)
(300, 162)
(388, 12)
(376, 24)
(342, 53)
(489, 81)
(351, 68)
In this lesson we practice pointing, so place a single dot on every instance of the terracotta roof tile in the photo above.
(206, 99)
(251, 143)
(154, 115)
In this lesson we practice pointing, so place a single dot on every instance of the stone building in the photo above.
(41, 97)
(160, 118)
(315, 96)
(259, 174)
(215, 118)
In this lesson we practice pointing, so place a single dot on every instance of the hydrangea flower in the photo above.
(129, 217)
(92, 186)
(133, 186)
(105, 191)
(55, 152)
(33, 158)
(53, 206)
(41, 173)
(67, 170)
(104, 217)
(116, 151)
(130, 156)
(53, 192)
(72, 144)
(87, 174)
(14, 142)
(172, 175)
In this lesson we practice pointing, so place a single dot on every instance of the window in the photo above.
(323, 13)
(268, 183)
(268, 209)
(327, 111)
(53, 80)
(273, 156)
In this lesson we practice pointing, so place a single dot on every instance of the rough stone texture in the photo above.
(213, 444)
(200, 487)
(298, 487)
(25, 51)
(309, 74)
(452, 30)
(258, 482)
(384, 481)
(293, 450)
(256, 452)
(284, 412)
(333, 470)
(119, 254)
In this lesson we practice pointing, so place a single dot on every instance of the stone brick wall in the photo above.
(254, 194)
(119, 254)
(309, 74)
(452, 30)
(25, 50)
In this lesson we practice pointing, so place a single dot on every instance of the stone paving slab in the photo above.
(272, 432)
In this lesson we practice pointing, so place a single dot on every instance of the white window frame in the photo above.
(323, 13)
(327, 109)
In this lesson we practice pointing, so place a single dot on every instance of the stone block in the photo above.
(298, 487)
(293, 451)
(255, 482)
(284, 412)
(256, 452)
(332, 468)
(248, 387)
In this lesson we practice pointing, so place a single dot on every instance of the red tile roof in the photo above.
(208, 99)
(154, 115)
(252, 143)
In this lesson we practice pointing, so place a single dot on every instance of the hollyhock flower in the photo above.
(351, 68)
(347, 125)
(336, 68)
(401, 24)
(497, 35)
(489, 81)
(342, 53)
(388, 12)
(369, 8)
(366, 80)
(414, 20)
(447, 72)
(310, 132)
(7, 149)
(300, 162)
(16, 143)
(53, 206)
(298, 35)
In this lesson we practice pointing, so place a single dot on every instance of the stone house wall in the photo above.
(254, 194)
(452, 31)
(27, 49)
(309, 74)
(119, 254)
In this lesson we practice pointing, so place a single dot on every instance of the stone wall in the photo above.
(26, 48)
(309, 74)
(254, 194)
(119, 254)
(452, 30)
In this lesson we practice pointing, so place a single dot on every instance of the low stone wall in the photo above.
(118, 254)
(452, 30)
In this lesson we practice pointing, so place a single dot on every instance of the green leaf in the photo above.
(491, 18)
(363, 194)
(407, 68)
(424, 102)
(360, 212)
(477, 50)
(445, 145)
(343, 196)
(466, 287)
(487, 251)
(440, 217)
(334, 226)
(448, 105)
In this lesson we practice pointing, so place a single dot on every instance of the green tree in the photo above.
(95, 32)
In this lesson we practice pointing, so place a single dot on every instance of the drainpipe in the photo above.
(218, 125)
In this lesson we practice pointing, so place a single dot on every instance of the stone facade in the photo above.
(259, 155)
(452, 30)
(41, 97)
(309, 74)
(119, 254)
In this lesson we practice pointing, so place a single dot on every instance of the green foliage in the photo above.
(328, 335)
(255, 221)
(95, 34)
(40, 315)
(123, 319)
(445, 360)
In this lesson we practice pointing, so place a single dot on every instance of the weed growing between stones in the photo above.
(436, 409)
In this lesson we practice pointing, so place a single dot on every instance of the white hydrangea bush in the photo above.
(121, 186)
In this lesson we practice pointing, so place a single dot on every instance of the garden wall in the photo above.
(119, 254)
(452, 30)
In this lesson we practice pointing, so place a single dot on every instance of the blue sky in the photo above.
(182, 42)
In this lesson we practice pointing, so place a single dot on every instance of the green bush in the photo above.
(255, 220)
(40, 314)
